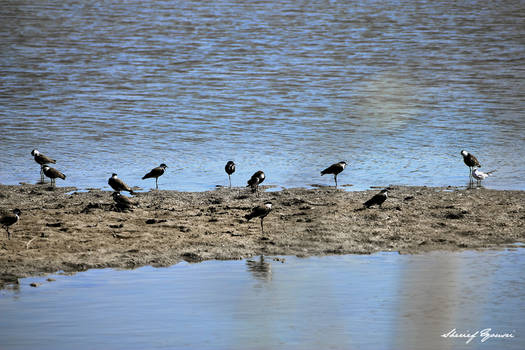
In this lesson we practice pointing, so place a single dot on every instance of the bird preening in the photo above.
(10, 219)
(230, 169)
(256, 180)
(122, 202)
(42, 160)
(156, 172)
(118, 185)
(260, 211)
(334, 169)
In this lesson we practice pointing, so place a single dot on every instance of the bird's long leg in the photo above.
(41, 174)
(262, 227)
(8, 233)
(335, 178)
(156, 183)
(230, 179)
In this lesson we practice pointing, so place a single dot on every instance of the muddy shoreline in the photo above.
(65, 230)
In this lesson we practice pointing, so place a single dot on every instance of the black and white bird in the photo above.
(42, 159)
(230, 169)
(470, 161)
(260, 211)
(256, 180)
(156, 172)
(377, 199)
(480, 175)
(119, 185)
(53, 174)
(122, 202)
(9, 220)
(334, 169)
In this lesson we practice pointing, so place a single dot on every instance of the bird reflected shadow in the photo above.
(260, 269)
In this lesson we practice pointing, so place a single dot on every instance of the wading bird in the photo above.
(119, 185)
(378, 199)
(470, 161)
(156, 172)
(334, 169)
(480, 175)
(42, 160)
(9, 220)
(260, 211)
(256, 180)
(52, 173)
(230, 169)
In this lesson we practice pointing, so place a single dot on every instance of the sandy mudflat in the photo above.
(73, 231)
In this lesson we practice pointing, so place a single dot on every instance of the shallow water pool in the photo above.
(375, 301)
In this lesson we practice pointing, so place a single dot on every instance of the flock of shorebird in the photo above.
(260, 211)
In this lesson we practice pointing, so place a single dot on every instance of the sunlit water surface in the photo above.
(396, 89)
(380, 301)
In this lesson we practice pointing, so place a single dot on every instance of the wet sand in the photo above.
(64, 230)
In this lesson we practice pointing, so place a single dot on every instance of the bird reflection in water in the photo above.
(260, 269)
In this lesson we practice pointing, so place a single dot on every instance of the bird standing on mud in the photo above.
(118, 185)
(480, 175)
(52, 173)
(334, 169)
(230, 169)
(470, 161)
(256, 180)
(260, 211)
(42, 160)
(377, 199)
(156, 172)
(9, 220)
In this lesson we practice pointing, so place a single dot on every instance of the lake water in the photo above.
(395, 88)
(380, 301)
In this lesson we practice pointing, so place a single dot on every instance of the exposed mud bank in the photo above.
(73, 231)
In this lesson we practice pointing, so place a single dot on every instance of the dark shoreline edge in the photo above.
(79, 231)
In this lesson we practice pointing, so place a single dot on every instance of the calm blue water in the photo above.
(381, 301)
(395, 88)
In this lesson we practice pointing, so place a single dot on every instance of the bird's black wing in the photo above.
(332, 169)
